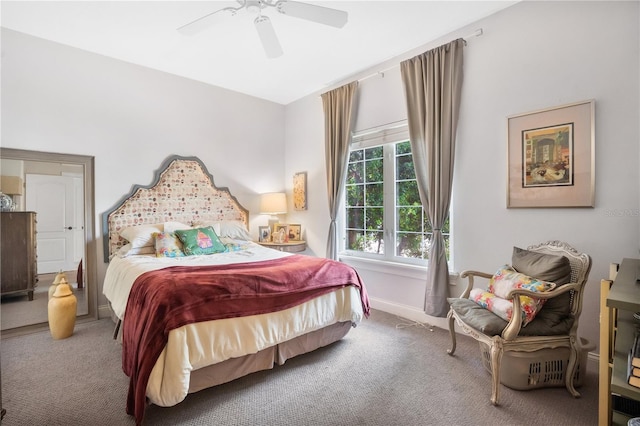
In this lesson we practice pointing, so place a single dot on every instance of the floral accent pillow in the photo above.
(499, 306)
(200, 241)
(505, 280)
(168, 245)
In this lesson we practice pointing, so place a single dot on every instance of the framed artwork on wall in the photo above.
(550, 155)
(300, 191)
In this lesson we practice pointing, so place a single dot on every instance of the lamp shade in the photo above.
(273, 203)
(11, 185)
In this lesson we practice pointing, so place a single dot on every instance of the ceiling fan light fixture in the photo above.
(319, 14)
(254, 6)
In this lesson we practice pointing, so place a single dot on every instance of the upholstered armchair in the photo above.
(530, 305)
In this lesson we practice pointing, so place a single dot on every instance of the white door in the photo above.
(52, 198)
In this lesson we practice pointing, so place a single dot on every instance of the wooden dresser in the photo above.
(18, 273)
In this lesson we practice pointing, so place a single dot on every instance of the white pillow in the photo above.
(127, 250)
(141, 235)
(234, 229)
(175, 226)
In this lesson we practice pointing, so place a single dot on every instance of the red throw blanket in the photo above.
(163, 300)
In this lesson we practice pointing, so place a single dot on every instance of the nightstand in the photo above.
(291, 246)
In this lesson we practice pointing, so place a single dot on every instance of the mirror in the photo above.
(72, 251)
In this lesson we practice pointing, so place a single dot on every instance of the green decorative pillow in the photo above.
(168, 245)
(200, 241)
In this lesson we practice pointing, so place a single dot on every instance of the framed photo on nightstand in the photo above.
(280, 233)
(264, 234)
(295, 232)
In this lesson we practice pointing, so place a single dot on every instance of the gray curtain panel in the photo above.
(432, 83)
(338, 107)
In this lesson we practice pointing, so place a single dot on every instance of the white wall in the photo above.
(60, 99)
(532, 56)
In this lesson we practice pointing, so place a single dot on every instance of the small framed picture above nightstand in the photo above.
(264, 234)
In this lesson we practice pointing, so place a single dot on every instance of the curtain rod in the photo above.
(476, 33)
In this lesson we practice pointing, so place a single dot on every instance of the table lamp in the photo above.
(273, 204)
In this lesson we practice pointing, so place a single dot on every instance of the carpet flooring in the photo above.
(386, 371)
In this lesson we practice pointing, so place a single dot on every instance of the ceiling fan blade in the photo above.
(200, 24)
(268, 37)
(311, 12)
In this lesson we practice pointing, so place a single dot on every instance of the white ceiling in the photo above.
(229, 54)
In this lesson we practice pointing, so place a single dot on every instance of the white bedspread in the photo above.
(123, 271)
(201, 344)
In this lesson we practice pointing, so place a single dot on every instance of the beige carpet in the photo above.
(384, 372)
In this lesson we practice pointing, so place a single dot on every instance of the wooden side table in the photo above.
(291, 246)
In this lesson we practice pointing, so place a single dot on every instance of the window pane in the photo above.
(375, 216)
(445, 227)
(355, 218)
(355, 173)
(375, 195)
(411, 245)
(426, 224)
(404, 167)
(355, 240)
(407, 193)
(355, 195)
(409, 219)
(375, 152)
(447, 245)
(357, 155)
(374, 170)
(374, 243)
(403, 148)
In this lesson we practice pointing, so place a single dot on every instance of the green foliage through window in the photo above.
(374, 203)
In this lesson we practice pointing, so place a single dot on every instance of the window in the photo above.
(382, 203)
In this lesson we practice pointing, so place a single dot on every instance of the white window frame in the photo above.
(383, 135)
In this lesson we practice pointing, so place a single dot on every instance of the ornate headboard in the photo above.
(182, 191)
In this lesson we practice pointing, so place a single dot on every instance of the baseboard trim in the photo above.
(408, 312)
(415, 314)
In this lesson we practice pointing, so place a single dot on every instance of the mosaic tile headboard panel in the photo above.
(182, 191)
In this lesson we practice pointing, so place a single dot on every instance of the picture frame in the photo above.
(551, 157)
(276, 235)
(300, 191)
(264, 234)
(295, 232)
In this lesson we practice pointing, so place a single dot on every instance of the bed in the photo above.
(194, 321)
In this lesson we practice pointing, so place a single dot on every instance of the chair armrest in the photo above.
(545, 294)
(470, 275)
(512, 329)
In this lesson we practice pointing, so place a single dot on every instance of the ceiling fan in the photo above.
(320, 14)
